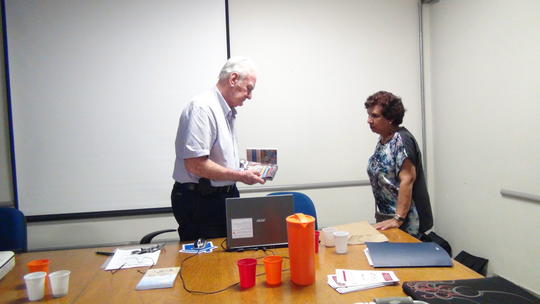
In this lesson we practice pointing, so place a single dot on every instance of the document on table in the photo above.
(359, 277)
(126, 258)
(362, 232)
(347, 280)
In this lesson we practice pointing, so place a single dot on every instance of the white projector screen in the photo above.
(97, 88)
(318, 62)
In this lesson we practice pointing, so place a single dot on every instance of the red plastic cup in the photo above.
(272, 267)
(317, 235)
(246, 268)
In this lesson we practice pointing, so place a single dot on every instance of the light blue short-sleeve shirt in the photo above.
(206, 128)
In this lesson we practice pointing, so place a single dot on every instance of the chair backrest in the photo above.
(12, 230)
(302, 203)
(475, 263)
(147, 239)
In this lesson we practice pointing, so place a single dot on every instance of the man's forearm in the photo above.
(204, 167)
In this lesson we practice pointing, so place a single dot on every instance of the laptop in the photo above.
(258, 222)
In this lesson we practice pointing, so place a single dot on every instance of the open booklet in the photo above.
(262, 160)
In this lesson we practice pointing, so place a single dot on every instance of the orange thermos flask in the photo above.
(301, 237)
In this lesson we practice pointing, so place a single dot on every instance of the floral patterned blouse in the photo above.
(383, 170)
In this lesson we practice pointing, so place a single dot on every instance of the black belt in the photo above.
(205, 189)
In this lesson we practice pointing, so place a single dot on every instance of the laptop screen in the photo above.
(256, 222)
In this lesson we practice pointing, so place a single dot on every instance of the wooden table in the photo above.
(210, 272)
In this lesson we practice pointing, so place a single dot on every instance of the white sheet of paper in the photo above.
(342, 288)
(242, 228)
(363, 277)
(123, 258)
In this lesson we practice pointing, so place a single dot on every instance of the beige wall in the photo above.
(485, 99)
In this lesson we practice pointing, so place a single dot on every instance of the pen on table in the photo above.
(105, 253)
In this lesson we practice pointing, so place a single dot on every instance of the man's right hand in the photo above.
(251, 177)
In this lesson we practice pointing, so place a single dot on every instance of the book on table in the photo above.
(262, 160)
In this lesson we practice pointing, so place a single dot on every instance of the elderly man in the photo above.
(207, 163)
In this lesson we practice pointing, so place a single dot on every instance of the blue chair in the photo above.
(12, 230)
(302, 204)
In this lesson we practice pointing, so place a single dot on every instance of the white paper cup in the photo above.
(341, 239)
(328, 233)
(35, 285)
(59, 283)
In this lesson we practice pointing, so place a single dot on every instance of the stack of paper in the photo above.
(158, 278)
(346, 280)
(189, 248)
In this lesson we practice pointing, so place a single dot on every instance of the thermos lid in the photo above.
(300, 218)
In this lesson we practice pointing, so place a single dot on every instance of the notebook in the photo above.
(258, 222)
(408, 255)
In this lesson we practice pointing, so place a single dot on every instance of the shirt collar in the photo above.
(228, 111)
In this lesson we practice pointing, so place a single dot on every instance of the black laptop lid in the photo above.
(256, 222)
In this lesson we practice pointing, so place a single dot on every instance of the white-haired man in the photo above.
(207, 162)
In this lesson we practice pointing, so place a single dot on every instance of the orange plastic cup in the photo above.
(38, 265)
(272, 266)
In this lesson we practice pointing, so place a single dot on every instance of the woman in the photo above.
(395, 169)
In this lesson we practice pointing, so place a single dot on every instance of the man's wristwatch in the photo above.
(399, 218)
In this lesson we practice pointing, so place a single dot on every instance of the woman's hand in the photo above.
(391, 223)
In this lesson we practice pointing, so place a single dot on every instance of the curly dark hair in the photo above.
(392, 107)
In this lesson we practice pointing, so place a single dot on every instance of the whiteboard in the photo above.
(318, 62)
(97, 88)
